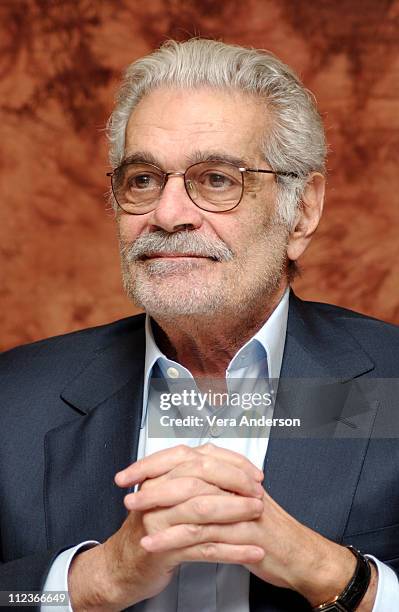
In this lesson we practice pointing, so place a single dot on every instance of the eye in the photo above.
(143, 181)
(216, 180)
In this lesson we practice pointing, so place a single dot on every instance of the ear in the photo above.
(308, 217)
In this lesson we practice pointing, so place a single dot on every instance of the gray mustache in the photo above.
(184, 242)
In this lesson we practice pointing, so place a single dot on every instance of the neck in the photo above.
(206, 345)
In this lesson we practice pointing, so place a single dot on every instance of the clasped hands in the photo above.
(207, 504)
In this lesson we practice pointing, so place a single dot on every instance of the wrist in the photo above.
(327, 575)
(89, 582)
(337, 585)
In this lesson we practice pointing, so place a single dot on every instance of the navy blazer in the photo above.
(70, 410)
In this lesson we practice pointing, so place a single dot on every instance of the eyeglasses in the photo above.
(214, 186)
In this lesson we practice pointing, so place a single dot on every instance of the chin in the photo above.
(160, 268)
(176, 300)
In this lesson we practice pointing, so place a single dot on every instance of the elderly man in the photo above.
(218, 184)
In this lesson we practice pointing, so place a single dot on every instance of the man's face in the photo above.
(242, 251)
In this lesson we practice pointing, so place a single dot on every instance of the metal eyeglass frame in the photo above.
(166, 176)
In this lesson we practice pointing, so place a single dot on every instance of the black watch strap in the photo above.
(353, 593)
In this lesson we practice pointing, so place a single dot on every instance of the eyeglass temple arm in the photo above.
(292, 174)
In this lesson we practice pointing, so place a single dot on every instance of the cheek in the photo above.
(129, 228)
(262, 202)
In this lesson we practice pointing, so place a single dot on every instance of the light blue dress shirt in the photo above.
(211, 587)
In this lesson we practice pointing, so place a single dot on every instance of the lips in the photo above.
(174, 256)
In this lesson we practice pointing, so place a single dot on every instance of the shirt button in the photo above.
(215, 431)
(172, 372)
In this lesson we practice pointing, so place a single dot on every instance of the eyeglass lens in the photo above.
(213, 186)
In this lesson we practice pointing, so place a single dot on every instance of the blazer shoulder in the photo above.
(377, 338)
(59, 357)
(353, 319)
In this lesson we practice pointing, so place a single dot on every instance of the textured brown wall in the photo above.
(60, 62)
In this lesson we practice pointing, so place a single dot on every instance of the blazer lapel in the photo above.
(312, 472)
(82, 456)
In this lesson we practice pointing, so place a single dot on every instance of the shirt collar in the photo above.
(269, 339)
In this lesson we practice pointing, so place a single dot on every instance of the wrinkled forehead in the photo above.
(176, 122)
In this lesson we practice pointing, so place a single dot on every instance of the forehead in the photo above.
(173, 123)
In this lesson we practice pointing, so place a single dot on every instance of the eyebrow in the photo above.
(193, 158)
(141, 156)
(209, 155)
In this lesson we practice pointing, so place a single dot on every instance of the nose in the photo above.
(175, 211)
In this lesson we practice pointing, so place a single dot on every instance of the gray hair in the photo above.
(294, 143)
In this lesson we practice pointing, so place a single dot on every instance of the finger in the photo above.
(168, 493)
(154, 465)
(182, 536)
(221, 474)
(212, 509)
(163, 461)
(217, 552)
(229, 456)
(225, 477)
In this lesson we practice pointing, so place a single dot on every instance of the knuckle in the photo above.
(208, 551)
(183, 452)
(194, 530)
(194, 486)
(260, 506)
(208, 447)
(200, 507)
(205, 464)
(254, 506)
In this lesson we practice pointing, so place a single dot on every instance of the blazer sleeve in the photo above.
(26, 574)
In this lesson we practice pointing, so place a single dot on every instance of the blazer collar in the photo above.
(118, 359)
(318, 345)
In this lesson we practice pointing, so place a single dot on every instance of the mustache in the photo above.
(186, 242)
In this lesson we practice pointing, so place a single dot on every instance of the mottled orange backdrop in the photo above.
(60, 64)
